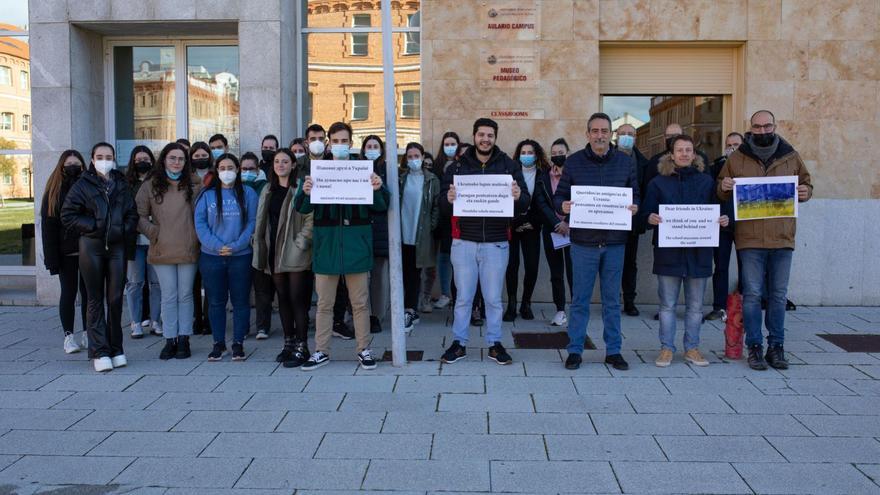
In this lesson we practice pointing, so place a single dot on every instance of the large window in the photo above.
(410, 107)
(212, 93)
(360, 105)
(7, 121)
(413, 40)
(24, 80)
(360, 45)
(5, 76)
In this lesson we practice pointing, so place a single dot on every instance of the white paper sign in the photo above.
(755, 198)
(560, 241)
(601, 208)
(342, 182)
(688, 226)
(483, 196)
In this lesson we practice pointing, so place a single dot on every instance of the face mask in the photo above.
(450, 150)
(268, 155)
(372, 154)
(527, 161)
(626, 142)
(72, 170)
(104, 166)
(339, 151)
(201, 163)
(173, 175)
(414, 165)
(763, 140)
(558, 160)
(143, 167)
(217, 153)
(227, 176)
(316, 148)
(298, 155)
(247, 176)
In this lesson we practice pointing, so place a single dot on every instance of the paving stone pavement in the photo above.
(194, 427)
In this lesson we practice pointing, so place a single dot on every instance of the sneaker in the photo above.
(716, 314)
(498, 354)
(170, 349)
(756, 358)
(442, 302)
(456, 352)
(317, 360)
(238, 351)
(103, 364)
(137, 331)
(617, 362)
(70, 345)
(630, 309)
(509, 313)
(525, 310)
(375, 325)
(145, 323)
(408, 321)
(416, 319)
(341, 330)
(218, 352)
(426, 306)
(656, 316)
(366, 359)
(299, 356)
(776, 357)
(790, 306)
(157, 328)
(183, 350)
(262, 333)
(560, 320)
(119, 361)
(665, 358)
(573, 361)
(694, 357)
(285, 355)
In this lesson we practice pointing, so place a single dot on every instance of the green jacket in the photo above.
(429, 217)
(257, 185)
(342, 234)
(293, 242)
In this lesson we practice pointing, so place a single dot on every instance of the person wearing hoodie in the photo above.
(61, 247)
(480, 247)
(99, 207)
(680, 181)
(765, 247)
(626, 143)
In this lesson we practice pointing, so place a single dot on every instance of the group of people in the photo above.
(199, 216)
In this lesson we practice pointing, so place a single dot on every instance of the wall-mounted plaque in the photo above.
(504, 67)
(511, 20)
(516, 114)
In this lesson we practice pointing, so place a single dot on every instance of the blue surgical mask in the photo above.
(248, 175)
(625, 142)
(217, 153)
(173, 175)
(372, 154)
(340, 151)
(450, 150)
(527, 161)
(415, 165)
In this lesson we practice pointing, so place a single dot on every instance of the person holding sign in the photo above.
(680, 181)
(343, 247)
(480, 232)
(597, 252)
(765, 245)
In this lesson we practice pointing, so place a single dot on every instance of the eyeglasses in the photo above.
(765, 127)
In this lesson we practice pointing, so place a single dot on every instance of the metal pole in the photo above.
(398, 336)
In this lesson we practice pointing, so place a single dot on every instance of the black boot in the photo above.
(183, 351)
(756, 358)
(525, 310)
(170, 349)
(510, 313)
(776, 357)
(629, 307)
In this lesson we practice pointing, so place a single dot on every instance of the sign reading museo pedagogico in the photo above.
(342, 182)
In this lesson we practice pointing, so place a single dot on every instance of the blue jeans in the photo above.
(485, 262)
(134, 287)
(588, 263)
(225, 278)
(776, 264)
(668, 289)
(444, 272)
(176, 282)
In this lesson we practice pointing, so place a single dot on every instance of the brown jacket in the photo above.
(771, 233)
(293, 242)
(169, 225)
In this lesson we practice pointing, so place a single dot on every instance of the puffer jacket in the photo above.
(93, 212)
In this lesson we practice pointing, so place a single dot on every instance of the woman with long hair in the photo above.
(99, 206)
(372, 148)
(447, 154)
(61, 246)
(165, 205)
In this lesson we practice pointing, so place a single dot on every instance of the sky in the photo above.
(637, 106)
(14, 12)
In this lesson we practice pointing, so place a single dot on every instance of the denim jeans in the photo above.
(225, 278)
(176, 282)
(668, 289)
(485, 262)
(776, 264)
(587, 263)
(134, 287)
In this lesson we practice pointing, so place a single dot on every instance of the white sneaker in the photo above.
(559, 320)
(262, 334)
(70, 345)
(366, 359)
(442, 302)
(85, 340)
(408, 321)
(103, 364)
(157, 328)
(137, 331)
(426, 306)
(145, 323)
(119, 361)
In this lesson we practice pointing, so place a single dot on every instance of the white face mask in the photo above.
(227, 176)
(104, 166)
(316, 148)
(299, 155)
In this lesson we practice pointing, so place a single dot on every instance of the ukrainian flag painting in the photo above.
(765, 197)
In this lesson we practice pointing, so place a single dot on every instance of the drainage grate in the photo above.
(853, 343)
(410, 356)
(544, 340)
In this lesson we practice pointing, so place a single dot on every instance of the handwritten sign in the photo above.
(601, 208)
(688, 226)
(342, 182)
(483, 196)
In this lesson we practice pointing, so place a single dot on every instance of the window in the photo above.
(413, 40)
(23, 79)
(6, 121)
(7, 180)
(25, 176)
(410, 107)
(212, 93)
(5, 76)
(25, 122)
(360, 106)
(360, 41)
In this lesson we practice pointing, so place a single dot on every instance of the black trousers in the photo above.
(200, 306)
(412, 277)
(529, 243)
(103, 271)
(721, 276)
(342, 304)
(630, 269)
(559, 261)
(294, 299)
(70, 279)
(264, 293)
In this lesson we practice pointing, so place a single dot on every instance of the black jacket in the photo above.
(57, 240)
(543, 201)
(484, 229)
(89, 210)
(379, 219)
(532, 213)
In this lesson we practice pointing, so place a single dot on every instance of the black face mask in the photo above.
(72, 171)
(268, 155)
(763, 140)
(143, 167)
(558, 160)
(201, 163)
